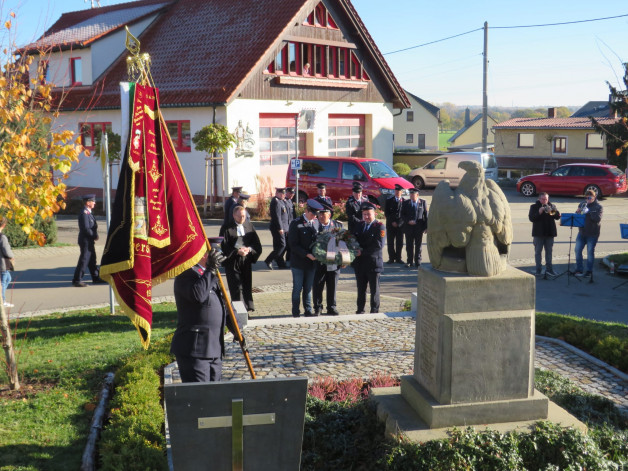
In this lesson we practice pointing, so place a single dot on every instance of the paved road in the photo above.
(43, 279)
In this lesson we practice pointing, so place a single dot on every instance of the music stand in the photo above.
(572, 220)
(623, 228)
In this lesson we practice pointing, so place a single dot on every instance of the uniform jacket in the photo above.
(393, 211)
(372, 243)
(231, 244)
(292, 213)
(543, 225)
(88, 227)
(279, 219)
(229, 205)
(354, 213)
(409, 213)
(300, 238)
(324, 199)
(5, 251)
(592, 220)
(201, 315)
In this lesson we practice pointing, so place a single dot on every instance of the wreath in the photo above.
(336, 247)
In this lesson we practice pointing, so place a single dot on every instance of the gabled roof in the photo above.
(597, 109)
(204, 51)
(551, 123)
(434, 110)
(464, 129)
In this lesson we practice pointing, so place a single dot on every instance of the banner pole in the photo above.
(105, 158)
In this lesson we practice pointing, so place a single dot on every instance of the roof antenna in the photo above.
(97, 2)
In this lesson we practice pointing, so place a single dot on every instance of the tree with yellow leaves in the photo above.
(34, 158)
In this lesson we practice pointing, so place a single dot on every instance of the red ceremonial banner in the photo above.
(155, 232)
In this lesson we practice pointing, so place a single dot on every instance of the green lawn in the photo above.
(442, 139)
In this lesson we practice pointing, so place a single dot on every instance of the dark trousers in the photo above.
(241, 285)
(279, 248)
(363, 279)
(394, 239)
(414, 239)
(199, 370)
(541, 243)
(322, 279)
(87, 260)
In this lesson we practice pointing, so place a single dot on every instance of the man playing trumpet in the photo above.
(543, 215)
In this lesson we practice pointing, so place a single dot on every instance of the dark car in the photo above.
(575, 179)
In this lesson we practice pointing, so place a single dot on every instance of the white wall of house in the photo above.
(59, 68)
(423, 122)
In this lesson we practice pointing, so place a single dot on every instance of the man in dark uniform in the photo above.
(278, 228)
(322, 198)
(88, 235)
(243, 200)
(199, 343)
(369, 263)
(242, 248)
(353, 205)
(301, 236)
(394, 226)
(231, 202)
(326, 275)
(292, 215)
(414, 214)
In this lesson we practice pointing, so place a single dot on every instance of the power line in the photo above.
(507, 27)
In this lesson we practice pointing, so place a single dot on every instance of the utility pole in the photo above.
(484, 97)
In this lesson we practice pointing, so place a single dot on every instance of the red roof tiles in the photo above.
(552, 123)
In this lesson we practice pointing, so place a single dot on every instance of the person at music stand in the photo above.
(543, 216)
(588, 234)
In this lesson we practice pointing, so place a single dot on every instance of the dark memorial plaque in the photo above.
(252, 425)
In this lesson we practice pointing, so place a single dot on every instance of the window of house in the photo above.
(276, 138)
(76, 70)
(342, 62)
(409, 138)
(319, 60)
(292, 58)
(595, 141)
(320, 18)
(525, 140)
(560, 145)
(355, 67)
(332, 65)
(180, 135)
(421, 141)
(345, 135)
(409, 115)
(91, 132)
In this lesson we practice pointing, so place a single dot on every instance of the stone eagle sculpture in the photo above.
(470, 228)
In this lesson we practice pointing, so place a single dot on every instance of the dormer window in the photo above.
(320, 18)
(76, 70)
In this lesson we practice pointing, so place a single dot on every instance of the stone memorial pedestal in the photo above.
(474, 353)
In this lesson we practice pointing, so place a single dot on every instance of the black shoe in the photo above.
(551, 273)
(318, 312)
(310, 314)
(359, 312)
(374, 312)
(409, 265)
(400, 261)
(390, 262)
(579, 274)
(296, 315)
(587, 273)
(269, 265)
(79, 284)
(99, 281)
(332, 312)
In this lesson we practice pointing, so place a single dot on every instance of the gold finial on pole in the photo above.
(137, 64)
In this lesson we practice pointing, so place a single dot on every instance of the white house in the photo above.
(417, 127)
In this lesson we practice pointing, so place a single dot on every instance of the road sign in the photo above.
(295, 164)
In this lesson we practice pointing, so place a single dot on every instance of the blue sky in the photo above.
(547, 66)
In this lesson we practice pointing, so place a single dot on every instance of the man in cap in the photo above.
(243, 200)
(279, 225)
(414, 214)
(301, 236)
(242, 248)
(394, 225)
(353, 205)
(326, 274)
(369, 263)
(321, 188)
(231, 202)
(88, 235)
(292, 215)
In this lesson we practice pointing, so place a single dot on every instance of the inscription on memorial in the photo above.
(428, 337)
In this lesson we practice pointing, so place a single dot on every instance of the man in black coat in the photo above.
(231, 203)
(301, 236)
(322, 198)
(368, 265)
(414, 215)
(279, 226)
(353, 206)
(241, 247)
(394, 226)
(292, 215)
(88, 235)
(543, 216)
(198, 343)
(326, 275)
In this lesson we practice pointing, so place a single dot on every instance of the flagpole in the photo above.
(105, 157)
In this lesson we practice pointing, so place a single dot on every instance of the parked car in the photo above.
(339, 173)
(446, 167)
(575, 179)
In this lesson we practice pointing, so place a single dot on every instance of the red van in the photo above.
(339, 173)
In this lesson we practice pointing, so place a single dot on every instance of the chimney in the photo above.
(551, 112)
(467, 118)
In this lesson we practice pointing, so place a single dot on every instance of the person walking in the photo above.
(6, 261)
(394, 225)
(301, 237)
(369, 263)
(353, 206)
(543, 216)
(414, 215)
(241, 247)
(292, 215)
(326, 274)
(278, 229)
(88, 235)
(589, 234)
